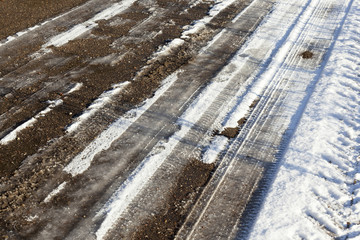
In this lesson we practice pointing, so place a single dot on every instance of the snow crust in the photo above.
(315, 194)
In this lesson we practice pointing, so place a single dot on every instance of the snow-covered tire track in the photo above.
(257, 147)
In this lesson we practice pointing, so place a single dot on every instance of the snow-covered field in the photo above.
(315, 194)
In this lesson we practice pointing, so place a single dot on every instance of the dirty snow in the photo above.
(55, 192)
(96, 105)
(324, 149)
(83, 161)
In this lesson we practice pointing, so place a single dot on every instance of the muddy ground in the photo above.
(45, 147)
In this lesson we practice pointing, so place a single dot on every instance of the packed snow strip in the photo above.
(83, 161)
(138, 179)
(55, 192)
(96, 105)
(13, 134)
(85, 158)
(271, 46)
(316, 192)
(218, 144)
(76, 87)
(201, 24)
(193, 28)
(30, 29)
(287, 23)
(140, 176)
(82, 28)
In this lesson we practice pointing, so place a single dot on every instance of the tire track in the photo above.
(61, 151)
(260, 140)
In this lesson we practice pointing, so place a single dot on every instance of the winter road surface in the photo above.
(160, 119)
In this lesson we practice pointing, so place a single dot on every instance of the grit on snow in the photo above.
(316, 193)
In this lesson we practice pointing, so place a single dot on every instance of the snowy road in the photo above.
(157, 120)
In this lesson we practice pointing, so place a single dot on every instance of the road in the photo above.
(154, 119)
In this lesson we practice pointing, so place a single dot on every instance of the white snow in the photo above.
(167, 49)
(31, 218)
(30, 29)
(13, 134)
(83, 161)
(55, 192)
(138, 179)
(197, 26)
(84, 27)
(96, 105)
(75, 88)
(315, 193)
(217, 145)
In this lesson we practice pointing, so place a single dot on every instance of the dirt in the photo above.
(17, 15)
(49, 130)
(187, 189)
(230, 132)
(97, 79)
(307, 54)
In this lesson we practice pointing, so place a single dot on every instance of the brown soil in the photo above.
(230, 132)
(307, 55)
(17, 15)
(187, 189)
(96, 79)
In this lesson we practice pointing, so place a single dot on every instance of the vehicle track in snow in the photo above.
(115, 172)
(253, 156)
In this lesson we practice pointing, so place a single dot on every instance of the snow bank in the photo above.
(316, 192)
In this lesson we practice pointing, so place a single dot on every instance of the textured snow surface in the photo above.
(315, 194)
